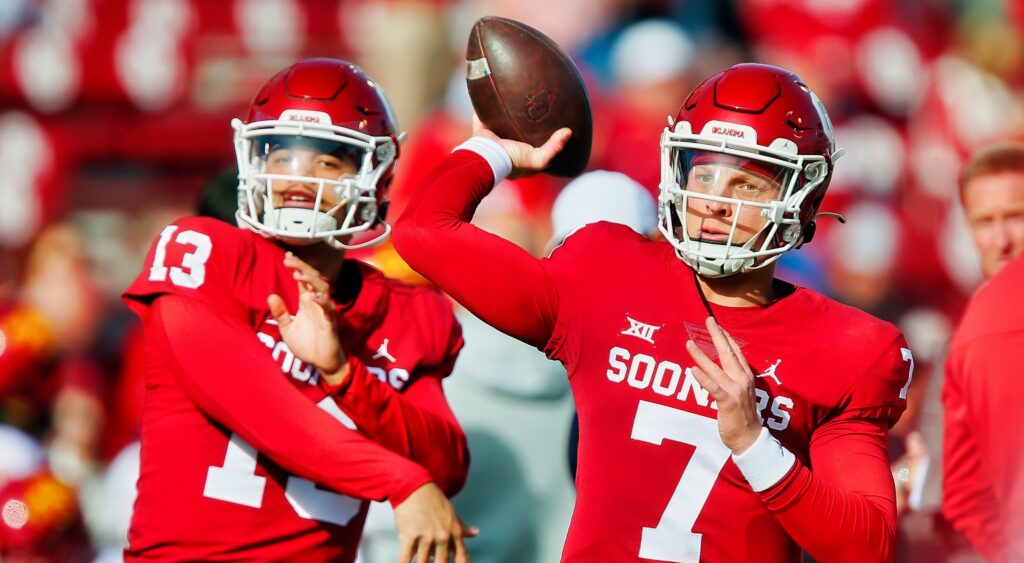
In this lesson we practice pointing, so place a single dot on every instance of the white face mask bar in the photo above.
(782, 229)
(357, 193)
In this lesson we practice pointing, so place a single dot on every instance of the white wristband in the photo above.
(493, 153)
(765, 462)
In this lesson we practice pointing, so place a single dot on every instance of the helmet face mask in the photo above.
(316, 155)
(743, 167)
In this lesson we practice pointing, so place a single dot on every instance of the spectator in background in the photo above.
(983, 483)
(602, 196)
(53, 315)
(992, 194)
(651, 64)
(21, 454)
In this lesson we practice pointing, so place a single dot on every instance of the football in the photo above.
(524, 88)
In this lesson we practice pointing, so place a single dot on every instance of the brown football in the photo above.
(524, 87)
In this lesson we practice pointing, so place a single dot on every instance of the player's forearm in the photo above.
(832, 524)
(473, 266)
(846, 509)
(244, 391)
(416, 424)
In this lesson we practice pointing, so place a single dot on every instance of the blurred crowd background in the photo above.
(114, 120)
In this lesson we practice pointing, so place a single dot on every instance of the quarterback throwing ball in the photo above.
(707, 389)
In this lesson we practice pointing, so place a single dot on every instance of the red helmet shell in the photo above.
(775, 103)
(338, 88)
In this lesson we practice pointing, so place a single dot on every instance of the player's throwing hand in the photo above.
(526, 158)
(731, 386)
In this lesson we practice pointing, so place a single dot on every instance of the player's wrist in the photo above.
(744, 442)
(490, 150)
(336, 377)
(765, 462)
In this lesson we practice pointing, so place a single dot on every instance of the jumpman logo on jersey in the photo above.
(640, 330)
(382, 352)
(770, 372)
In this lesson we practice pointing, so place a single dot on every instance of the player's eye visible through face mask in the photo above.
(706, 172)
(702, 178)
(280, 159)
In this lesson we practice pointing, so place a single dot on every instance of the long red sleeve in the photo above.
(245, 392)
(845, 510)
(417, 424)
(496, 280)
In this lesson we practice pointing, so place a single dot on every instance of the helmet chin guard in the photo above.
(297, 220)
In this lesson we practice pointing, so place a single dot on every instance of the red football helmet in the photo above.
(761, 119)
(324, 107)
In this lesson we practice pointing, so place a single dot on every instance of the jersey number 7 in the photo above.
(674, 539)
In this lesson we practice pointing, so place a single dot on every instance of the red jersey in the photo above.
(983, 467)
(246, 454)
(655, 482)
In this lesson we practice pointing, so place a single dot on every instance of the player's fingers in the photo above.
(732, 344)
(306, 273)
(710, 375)
(406, 553)
(555, 143)
(730, 363)
(736, 350)
(702, 360)
(423, 546)
(296, 263)
(308, 301)
(320, 295)
(467, 530)
(739, 356)
(710, 385)
(461, 556)
(312, 279)
(441, 551)
(278, 310)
